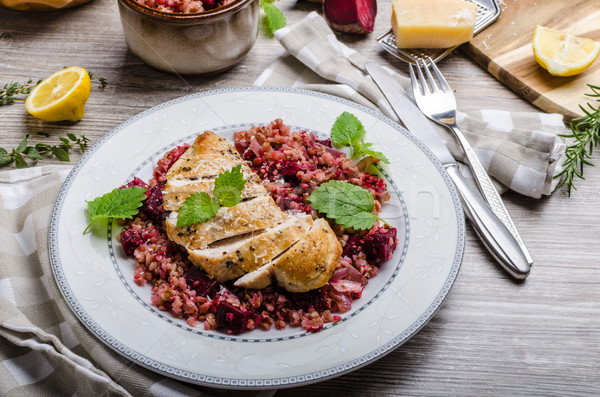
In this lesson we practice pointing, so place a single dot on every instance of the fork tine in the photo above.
(424, 87)
(432, 82)
(417, 90)
(440, 77)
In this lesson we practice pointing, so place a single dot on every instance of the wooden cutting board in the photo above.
(504, 49)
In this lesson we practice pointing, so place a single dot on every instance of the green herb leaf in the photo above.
(198, 207)
(119, 203)
(5, 157)
(60, 153)
(349, 131)
(229, 186)
(362, 149)
(33, 153)
(20, 161)
(22, 145)
(274, 18)
(348, 204)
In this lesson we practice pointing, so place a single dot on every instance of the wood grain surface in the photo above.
(492, 336)
(504, 49)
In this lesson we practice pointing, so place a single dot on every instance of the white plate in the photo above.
(96, 278)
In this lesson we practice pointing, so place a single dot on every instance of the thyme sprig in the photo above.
(585, 132)
(15, 91)
(37, 151)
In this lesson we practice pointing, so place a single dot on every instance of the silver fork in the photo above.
(435, 99)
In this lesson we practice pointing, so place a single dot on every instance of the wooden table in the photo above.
(492, 336)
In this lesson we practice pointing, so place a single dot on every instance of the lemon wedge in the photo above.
(563, 54)
(61, 96)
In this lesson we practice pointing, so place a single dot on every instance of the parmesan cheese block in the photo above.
(432, 23)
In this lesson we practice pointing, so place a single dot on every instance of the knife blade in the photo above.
(496, 237)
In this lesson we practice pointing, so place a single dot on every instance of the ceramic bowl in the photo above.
(204, 43)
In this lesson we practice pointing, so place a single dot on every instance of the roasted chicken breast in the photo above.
(253, 241)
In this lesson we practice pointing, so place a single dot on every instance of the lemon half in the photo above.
(563, 54)
(61, 96)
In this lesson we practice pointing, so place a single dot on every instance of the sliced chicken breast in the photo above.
(208, 156)
(246, 217)
(258, 279)
(310, 263)
(177, 189)
(253, 241)
(232, 258)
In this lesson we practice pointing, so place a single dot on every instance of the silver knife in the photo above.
(493, 233)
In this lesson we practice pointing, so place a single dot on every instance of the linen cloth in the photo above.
(44, 349)
(522, 151)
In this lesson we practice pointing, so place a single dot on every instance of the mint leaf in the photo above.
(119, 203)
(274, 18)
(362, 149)
(349, 205)
(229, 186)
(349, 131)
(198, 207)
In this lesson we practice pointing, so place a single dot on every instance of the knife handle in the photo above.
(488, 190)
(493, 233)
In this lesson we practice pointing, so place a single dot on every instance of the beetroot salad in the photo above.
(291, 165)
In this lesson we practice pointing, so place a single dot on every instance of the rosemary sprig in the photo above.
(36, 152)
(16, 91)
(585, 132)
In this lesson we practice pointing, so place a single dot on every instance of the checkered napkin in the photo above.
(44, 349)
(521, 151)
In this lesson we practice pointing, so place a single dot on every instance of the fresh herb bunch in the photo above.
(37, 151)
(585, 132)
(274, 18)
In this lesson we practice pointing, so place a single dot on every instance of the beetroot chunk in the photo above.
(199, 282)
(380, 244)
(135, 182)
(313, 300)
(353, 246)
(351, 16)
(153, 205)
(130, 239)
(233, 318)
